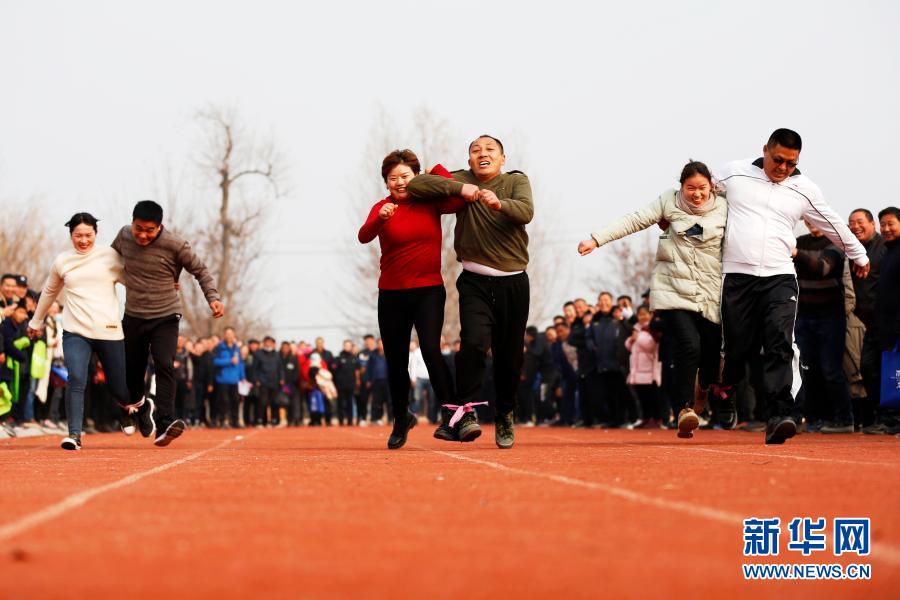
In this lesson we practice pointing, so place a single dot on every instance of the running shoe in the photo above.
(838, 428)
(780, 429)
(400, 432)
(146, 420)
(724, 410)
(688, 421)
(468, 429)
(127, 424)
(504, 434)
(71, 442)
(170, 432)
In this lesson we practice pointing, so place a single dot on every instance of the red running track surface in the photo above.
(317, 513)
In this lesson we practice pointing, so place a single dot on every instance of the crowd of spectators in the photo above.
(605, 364)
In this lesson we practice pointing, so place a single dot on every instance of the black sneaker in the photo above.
(399, 432)
(146, 421)
(724, 410)
(876, 429)
(468, 429)
(838, 427)
(71, 442)
(126, 422)
(504, 434)
(780, 429)
(172, 431)
(444, 431)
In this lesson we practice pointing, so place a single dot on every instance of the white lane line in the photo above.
(880, 551)
(80, 498)
(688, 446)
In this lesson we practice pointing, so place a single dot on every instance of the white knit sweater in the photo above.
(91, 305)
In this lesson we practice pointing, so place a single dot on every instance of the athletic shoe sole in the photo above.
(129, 430)
(505, 445)
(152, 418)
(70, 444)
(172, 431)
(470, 432)
(445, 434)
(785, 430)
(687, 425)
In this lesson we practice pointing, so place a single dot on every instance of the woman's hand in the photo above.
(587, 246)
(33, 333)
(387, 211)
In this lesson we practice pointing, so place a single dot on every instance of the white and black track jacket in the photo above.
(759, 236)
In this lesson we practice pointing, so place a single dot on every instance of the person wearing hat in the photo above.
(90, 321)
(686, 281)
(154, 258)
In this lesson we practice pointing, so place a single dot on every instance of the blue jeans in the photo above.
(77, 350)
(29, 400)
(822, 341)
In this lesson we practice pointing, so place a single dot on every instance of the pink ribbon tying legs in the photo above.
(132, 408)
(461, 409)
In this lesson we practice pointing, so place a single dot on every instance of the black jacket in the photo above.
(268, 368)
(345, 370)
(867, 289)
(820, 274)
(10, 333)
(606, 340)
(887, 302)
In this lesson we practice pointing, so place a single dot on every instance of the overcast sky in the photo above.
(607, 102)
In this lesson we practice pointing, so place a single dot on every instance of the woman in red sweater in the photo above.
(410, 289)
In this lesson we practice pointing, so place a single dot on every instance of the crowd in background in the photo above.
(605, 364)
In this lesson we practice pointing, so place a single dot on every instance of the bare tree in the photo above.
(434, 144)
(247, 173)
(437, 143)
(28, 242)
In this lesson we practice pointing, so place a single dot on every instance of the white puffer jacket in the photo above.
(688, 270)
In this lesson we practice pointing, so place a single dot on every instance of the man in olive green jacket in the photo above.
(492, 244)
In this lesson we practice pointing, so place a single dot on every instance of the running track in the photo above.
(315, 513)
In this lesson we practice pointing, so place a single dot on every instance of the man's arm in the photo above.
(433, 187)
(828, 222)
(190, 262)
(818, 263)
(519, 207)
(117, 243)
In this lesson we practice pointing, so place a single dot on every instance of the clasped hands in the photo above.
(472, 193)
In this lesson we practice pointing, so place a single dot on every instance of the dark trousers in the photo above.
(266, 405)
(822, 341)
(157, 338)
(227, 403)
(345, 405)
(381, 398)
(696, 345)
(602, 399)
(296, 406)
(760, 312)
(493, 313)
(398, 312)
(649, 398)
(567, 411)
(362, 406)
